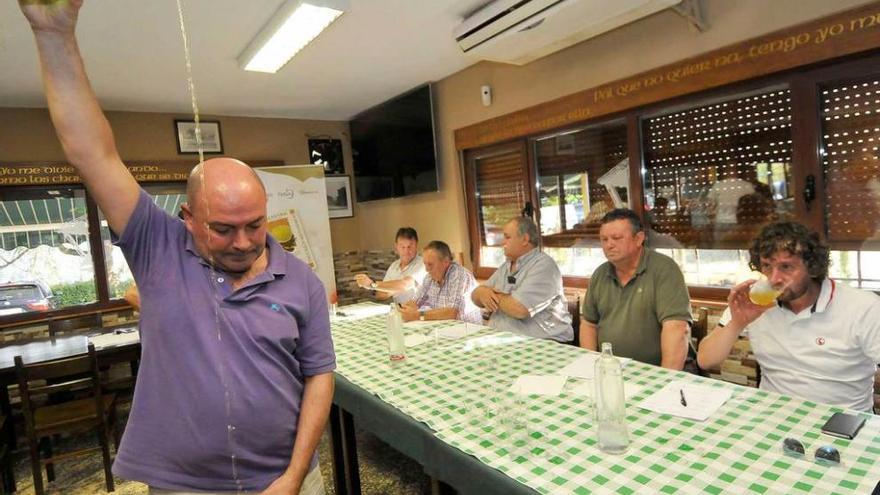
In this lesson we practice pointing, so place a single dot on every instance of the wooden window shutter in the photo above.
(850, 115)
(501, 192)
(722, 169)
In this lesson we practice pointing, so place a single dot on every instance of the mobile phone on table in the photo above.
(843, 425)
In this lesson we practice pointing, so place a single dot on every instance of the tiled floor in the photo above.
(383, 470)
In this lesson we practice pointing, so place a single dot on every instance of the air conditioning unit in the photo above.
(520, 31)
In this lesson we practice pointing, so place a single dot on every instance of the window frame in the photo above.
(469, 160)
(532, 143)
(103, 302)
(804, 84)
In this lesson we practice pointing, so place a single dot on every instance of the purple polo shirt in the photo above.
(217, 379)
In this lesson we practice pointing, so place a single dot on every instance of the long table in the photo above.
(429, 408)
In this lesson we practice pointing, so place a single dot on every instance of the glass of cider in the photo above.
(281, 231)
(762, 293)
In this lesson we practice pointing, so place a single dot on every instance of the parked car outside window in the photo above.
(25, 297)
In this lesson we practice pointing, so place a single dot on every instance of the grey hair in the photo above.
(525, 226)
(440, 248)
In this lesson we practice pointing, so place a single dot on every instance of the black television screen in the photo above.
(392, 146)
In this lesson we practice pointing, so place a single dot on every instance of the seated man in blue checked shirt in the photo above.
(445, 293)
(525, 295)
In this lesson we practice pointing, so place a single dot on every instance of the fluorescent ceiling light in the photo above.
(294, 25)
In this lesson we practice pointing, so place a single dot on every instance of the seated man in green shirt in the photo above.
(637, 300)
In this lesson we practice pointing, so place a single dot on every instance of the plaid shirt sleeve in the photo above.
(453, 292)
(460, 285)
(419, 297)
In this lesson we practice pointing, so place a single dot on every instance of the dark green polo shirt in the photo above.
(631, 317)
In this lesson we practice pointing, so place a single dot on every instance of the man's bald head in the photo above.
(226, 176)
(226, 214)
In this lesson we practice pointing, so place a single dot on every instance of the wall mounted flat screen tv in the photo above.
(393, 148)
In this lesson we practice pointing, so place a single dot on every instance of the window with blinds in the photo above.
(582, 175)
(716, 173)
(501, 183)
(850, 118)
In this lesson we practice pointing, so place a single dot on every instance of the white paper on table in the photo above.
(418, 324)
(365, 311)
(458, 331)
(416, 339)
(585, 366)
(114, 339)
(588, 389)
(702, 401)
(489, 341)
(550, 385)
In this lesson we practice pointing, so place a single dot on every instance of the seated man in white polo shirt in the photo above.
(819, 341)
(403, 277)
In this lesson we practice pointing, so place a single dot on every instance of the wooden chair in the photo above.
(877, 391)
(574, 309)
(76, 324)
(699, 329)
(120, 386)
(96, 412)
(7, 475)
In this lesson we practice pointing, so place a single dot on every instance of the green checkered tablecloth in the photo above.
(450, 386)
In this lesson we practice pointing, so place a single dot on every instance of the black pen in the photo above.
(684, 402)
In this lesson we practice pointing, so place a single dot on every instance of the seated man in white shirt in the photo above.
(819, 341)
(403, 277)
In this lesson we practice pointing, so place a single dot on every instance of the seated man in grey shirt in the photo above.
(525, 295)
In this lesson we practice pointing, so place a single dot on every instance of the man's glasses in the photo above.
(826, 455)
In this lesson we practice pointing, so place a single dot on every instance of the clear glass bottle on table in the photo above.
(396, 344)
(610, 403)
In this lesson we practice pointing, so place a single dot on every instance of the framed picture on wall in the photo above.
(327, 152)
(339, 196)
(565, 144)
(185, 132)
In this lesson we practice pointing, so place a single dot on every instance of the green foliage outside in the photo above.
(118, 288)
(84, 292)
(73, 294)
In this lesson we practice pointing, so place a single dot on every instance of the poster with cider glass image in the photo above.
(288, 230)
(298, 217)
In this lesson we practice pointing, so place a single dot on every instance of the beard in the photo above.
(238, 263)
(794, 292)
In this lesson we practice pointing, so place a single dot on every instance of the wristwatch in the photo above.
(374, 285)
(422, 315)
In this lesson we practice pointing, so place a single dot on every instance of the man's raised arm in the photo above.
(79, 122)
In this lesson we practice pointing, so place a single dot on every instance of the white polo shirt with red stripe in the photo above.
(827, 353)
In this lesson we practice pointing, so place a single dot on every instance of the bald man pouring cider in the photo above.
(235, 381)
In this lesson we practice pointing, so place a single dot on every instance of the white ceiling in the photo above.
(134, 54)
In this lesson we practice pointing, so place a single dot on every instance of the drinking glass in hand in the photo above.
(762, 293)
